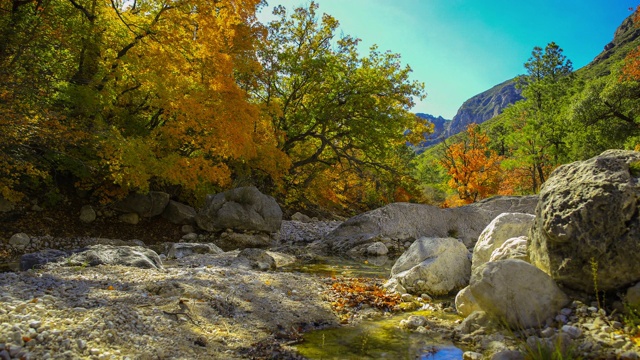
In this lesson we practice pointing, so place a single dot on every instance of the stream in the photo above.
(380, 338)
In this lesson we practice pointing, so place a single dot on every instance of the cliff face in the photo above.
(484, 106)
(626, 33)
(440, 127)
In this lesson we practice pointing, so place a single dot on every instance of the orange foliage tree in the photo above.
(473, 167)
(131, 94)
(631, 69)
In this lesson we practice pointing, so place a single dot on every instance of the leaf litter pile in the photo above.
(349, 295)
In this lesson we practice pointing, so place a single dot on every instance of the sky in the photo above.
(460, 48)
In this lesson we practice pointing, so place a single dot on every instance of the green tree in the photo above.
(606, 115)
(336, 110)
(537, 141)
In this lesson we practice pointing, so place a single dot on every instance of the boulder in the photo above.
(466, 303)
(19, 240)
(180, 250)
(87, 214)
(300, 217)
(516, 293)
(402, 222)
(504, 226)
(130, 218)
(377, 249)
(257, 259)
(40, 258)
(145, 205)
(241, 209)
(231, 241)
(435, 266)
(134, 256)
(632, 297)
(179, 213)
(514, 248)
(588, 216)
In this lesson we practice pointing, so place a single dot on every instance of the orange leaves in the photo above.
(474, 169)
(349, 293)
(631, 69)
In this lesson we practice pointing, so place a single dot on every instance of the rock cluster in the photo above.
(399, 223)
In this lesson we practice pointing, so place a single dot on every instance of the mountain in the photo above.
(440, 127)
(484, 106)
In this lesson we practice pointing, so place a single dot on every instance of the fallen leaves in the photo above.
(349, 294)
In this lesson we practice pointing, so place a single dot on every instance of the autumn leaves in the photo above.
(197, 96)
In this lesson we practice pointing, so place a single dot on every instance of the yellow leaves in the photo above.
(474, 169)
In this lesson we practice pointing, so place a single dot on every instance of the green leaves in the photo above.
(338, 109)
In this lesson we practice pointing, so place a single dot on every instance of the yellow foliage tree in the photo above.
(473, 167)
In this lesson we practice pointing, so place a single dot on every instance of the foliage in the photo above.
(631, 70)
(474, 168)
(538, 128)
(350, 293)
(131, 94)
(343, 119)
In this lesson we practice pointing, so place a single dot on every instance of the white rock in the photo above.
(503, 227)
(514, 248)
(377, 249)
(470, 355)
(517, 292)
(465, 302)
(435, 266)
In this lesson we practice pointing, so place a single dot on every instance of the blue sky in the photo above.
(459, 48)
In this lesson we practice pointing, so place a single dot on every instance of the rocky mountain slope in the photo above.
(484, 106)
(440, 127)
(476, 110)
(492, 102)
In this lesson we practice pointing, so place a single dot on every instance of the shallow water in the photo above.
(377, 339)
(371, 339)
(332, 266)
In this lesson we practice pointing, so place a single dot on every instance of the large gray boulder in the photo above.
(241, 209)
(516, 293)
(503, 227)
(134, 256)
(179, 213)
(401, 222)
(145, 205)
(435, 266)
(589, 214)
(180, 250)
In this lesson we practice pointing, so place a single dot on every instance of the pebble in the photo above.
(572, 331)
(470, 355)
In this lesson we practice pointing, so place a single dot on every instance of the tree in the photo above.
(335, 110)
(131, 95)
(539, 126)
(606, 115)
(474, 168)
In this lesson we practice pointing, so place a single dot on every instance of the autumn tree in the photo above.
(131, 95)
(474, 168)
(344, 119)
